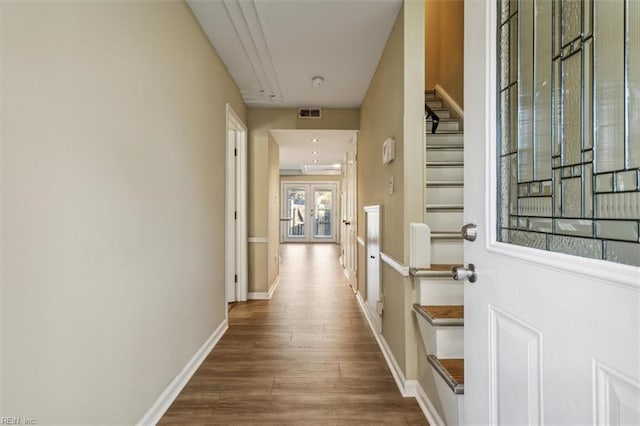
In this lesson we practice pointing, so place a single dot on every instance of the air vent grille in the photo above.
(310, 113)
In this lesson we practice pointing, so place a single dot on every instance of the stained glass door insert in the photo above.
(569, 127)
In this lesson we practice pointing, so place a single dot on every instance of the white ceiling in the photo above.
(273, 49)
(296, 149)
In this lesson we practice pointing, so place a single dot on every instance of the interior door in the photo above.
(551, 336)
(309, 211)
(351, 224)
(372, 244)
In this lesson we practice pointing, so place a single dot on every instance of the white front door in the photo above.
(550, 337)
(309, 212)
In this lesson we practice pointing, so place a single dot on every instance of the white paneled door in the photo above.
(550, 337)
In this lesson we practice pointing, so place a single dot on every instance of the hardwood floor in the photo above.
(305, 357)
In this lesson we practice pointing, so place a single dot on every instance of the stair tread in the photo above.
(451, 370)
(445, 311)
(441, 316)
(445, 206)
(447, 183)
(446, 132)
(448, 147)
(445, 163)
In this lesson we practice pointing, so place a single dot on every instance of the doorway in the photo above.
(309, 212)
(236, 209)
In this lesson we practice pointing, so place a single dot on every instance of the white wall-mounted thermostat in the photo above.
(388, 150)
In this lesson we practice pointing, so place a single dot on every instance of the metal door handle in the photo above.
(469, 232)
(460, 273)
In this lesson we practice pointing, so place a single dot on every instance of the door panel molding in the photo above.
(515, 369)
(616, 396)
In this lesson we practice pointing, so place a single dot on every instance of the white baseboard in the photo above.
(425, 404)
(265, 295)
(396, 371)
(171, 392)
(408, 388)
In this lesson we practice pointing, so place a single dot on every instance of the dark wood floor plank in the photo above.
(305, 357)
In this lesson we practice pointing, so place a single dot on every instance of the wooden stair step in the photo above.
(450, 147)
(445, 132)
(444, 184)
(445, 164)
(442, 315)
(445, 207)
(451, 370)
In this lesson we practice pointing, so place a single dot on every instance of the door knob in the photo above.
(469, 231)
(460, 273)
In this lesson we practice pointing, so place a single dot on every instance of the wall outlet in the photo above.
(391, 185)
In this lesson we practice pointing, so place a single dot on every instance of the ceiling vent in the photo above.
(310, 113)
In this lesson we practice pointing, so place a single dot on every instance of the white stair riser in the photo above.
(434, 103)
(443, 342)
(444, 125)
(446, 251)
(450, 342)
(452, 404)
(445, 155)
(444, 221)
(443, 139)
(445, 173)
(444, 195)
(443, 113)
(440, 291)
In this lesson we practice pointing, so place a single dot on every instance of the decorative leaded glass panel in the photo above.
(569, 127)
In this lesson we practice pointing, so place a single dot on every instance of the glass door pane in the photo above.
(296, 211)
(323, 213)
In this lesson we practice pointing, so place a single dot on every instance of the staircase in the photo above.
(438, 298)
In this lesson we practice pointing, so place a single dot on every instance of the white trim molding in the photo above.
(399, 267)
(449, 100)
(265, 295)
(171, 392)
(258, 240)
(407, 388)
(426, 405)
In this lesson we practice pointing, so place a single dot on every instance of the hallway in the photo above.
(305, 357)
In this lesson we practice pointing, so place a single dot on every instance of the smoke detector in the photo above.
(317, 81)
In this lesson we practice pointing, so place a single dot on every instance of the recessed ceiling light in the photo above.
(315, 161)
(314, 152)
(336, 166)
(314, 140)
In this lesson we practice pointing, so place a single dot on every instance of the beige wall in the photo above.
(112, 169)
(260, 224)
(444, 46)
(273, 257)
(382, 118)
(393, 107)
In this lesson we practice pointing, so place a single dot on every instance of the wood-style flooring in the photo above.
(306, 357)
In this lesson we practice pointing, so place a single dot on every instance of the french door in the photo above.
(308, 212)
